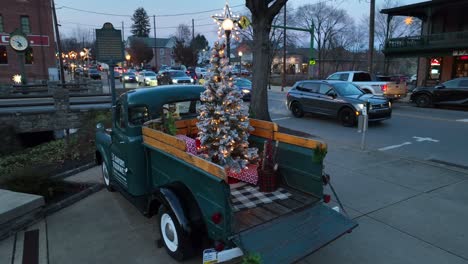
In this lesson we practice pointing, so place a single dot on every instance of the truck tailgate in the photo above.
(293, 236)
(396, 89)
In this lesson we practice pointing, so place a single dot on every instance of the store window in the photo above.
(3, 55)
(435, 68)
(2, 29)
(29, 56)
(461, 66)
(25, 25)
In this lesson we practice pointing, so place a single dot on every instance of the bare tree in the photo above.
(327, 21)
(263, 13)
(183, 34)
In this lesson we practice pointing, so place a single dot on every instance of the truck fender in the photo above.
(101, 156)
(169, 199)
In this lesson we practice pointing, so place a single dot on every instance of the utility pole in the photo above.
(155, 50)
(283, 83)
(370, 56)
(123, 32)
(193, 29)
(59, 45)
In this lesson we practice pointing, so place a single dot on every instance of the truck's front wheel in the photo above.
(177, 245)
(106, 177)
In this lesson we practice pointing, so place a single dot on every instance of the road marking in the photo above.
(463, 120)
(394, 146)
(421, 139)
(425, 117)
(280, 118)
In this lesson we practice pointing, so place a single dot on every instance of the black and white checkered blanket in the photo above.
(245, 196)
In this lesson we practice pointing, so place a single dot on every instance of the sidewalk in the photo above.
(408, 212)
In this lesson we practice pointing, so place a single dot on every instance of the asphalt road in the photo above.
(422, 133)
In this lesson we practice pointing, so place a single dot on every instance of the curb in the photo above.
(72, 199)
(74, 171)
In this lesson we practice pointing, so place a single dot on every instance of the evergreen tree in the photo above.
(199, 42)
(141, 23)
(223, 122)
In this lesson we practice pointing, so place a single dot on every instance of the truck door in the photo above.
(118, 147)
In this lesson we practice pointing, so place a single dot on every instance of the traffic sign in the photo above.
(312, 62)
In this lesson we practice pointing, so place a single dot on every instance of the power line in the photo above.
(121, 15)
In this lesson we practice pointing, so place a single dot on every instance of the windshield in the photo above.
(243, 82)
(345, 89)
(177, 74)
(150, 74)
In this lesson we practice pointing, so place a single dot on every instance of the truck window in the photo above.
(137, 115)
(361, 77)
(182, 110)
(334, 77)
(119, 116)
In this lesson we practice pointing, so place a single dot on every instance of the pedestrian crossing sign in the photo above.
(312, 62)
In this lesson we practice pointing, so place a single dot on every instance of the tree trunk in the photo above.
(261, 57)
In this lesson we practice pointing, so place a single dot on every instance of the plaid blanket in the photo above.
(245, 196)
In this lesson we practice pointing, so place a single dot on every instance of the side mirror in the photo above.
(332, 95)
(440, 86)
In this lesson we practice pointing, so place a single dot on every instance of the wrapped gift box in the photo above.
(189, 143)
(249, 174)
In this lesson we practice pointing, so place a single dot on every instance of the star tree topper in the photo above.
(220, 18)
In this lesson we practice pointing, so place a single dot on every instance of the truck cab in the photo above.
(195, 204)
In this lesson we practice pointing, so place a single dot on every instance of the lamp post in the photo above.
(227, 25)
(128, 57)
(240, 62)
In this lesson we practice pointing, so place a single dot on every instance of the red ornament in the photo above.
(198, 144)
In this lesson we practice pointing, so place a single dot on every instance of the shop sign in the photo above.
(34, 40)
(460, 52)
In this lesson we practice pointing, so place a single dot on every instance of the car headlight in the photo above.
(126, 77)
(147, 79)
(390, 104)
(360, 107)
(191, 80)
(174, 81)
(245, 91)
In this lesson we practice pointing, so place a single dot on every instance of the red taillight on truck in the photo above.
(383, 88)
(216, 218)
(326, 198)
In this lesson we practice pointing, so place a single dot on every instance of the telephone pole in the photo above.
(283, 83)
(123, 32)
(193, 29)
(59, 45)
(370, 56)
(155, 50)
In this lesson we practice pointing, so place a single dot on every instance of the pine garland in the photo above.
(223, 122)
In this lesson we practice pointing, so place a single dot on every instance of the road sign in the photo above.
(312, 62)
(109, 45)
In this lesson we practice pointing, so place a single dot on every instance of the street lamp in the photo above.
(228, 25)
(240, 62)
(128, 57)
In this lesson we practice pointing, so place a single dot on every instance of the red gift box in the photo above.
(249, 174)
(190, 144)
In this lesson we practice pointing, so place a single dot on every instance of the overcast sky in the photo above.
(73, 20)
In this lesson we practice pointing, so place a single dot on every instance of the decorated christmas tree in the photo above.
(223, 122)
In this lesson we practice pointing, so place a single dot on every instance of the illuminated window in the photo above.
(1, 24)
(25, 26)
(29, 56)
(435, 68)
(3, 55)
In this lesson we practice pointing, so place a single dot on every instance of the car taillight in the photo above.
(219, 246)
(384, 88)
(216, 218)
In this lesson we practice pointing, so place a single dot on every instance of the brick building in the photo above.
(442, 46)
(34, 18)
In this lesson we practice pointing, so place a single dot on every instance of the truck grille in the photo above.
(380, 106)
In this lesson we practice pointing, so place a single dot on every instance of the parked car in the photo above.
(147, 78)
(78, 72)
(245, 87)
(453, 92)
(200, 71)
(192, 74)
(413, 79)
(128, 77)
(174, 77)
(365, 82)
(118, 71)
(343, 100)
(94, 74)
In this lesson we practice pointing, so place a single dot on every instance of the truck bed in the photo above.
(249, 218)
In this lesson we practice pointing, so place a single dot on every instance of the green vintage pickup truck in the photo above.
(191, 197)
